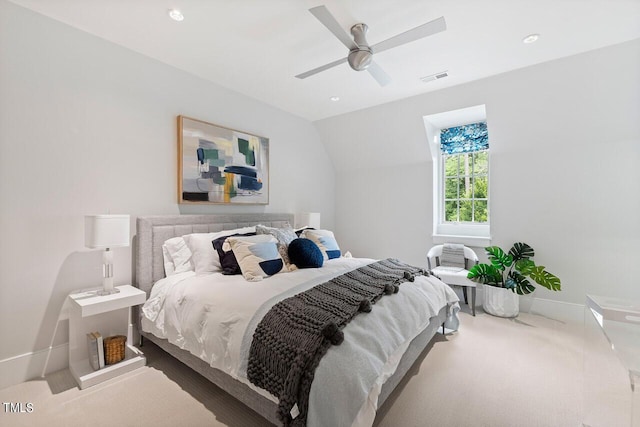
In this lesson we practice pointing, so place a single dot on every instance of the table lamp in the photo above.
(106, 232)
(308, 219)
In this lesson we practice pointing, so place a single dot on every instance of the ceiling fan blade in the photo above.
(378, 73)
(424, 30)
(319, 69)
(326, 18)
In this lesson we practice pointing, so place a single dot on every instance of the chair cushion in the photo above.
(452, 255)
(453, 276)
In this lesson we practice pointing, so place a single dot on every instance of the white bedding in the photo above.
(213, 316)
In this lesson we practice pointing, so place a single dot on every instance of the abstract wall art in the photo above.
(221, 165)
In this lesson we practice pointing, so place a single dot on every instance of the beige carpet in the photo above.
(528, 371)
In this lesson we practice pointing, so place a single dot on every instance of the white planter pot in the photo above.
(500, 302)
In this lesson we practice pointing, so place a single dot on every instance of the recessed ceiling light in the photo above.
(531, 38)
(335, 98)
(176, 15)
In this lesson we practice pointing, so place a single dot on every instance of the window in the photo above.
(459, 143)
(465, 157)
(466, 185)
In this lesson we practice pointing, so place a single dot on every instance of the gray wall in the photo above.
(89, 127)
(565, 175)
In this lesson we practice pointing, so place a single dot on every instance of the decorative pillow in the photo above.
(301, 230)
(177, 256)
(204, 257)
(284, 236)
(303, 253)
(325, 241)
(257, 256)
(228, 261)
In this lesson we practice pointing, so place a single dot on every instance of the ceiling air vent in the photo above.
(436, 76)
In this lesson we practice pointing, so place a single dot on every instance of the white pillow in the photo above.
(257, 256)
(325, 241)
(177, 256)
(169, 269)
(204, 257)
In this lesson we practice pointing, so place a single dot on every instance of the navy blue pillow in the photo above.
(299, 231)
(305, 254)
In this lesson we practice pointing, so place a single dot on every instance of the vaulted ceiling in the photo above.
(256, 47)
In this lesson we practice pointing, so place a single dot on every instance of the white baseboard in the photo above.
(558, 310)
(33, 365)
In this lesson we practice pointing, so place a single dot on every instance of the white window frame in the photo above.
(470, 234)
(473, 174)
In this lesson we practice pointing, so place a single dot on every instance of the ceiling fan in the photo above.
(360, 53)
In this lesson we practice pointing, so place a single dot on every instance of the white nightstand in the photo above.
(109, 315)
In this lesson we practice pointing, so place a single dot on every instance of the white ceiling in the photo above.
(256, 47)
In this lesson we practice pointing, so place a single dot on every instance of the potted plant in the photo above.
(508, 276)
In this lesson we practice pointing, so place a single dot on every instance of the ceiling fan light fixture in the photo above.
(360, 59)
(360, 56)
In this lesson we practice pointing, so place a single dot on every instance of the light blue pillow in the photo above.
(257, 256)
(325, 241)
(284, 235)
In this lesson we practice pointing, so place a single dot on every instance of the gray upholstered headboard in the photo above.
(153, 231)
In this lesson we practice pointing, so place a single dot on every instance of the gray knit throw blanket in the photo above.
(296, 332)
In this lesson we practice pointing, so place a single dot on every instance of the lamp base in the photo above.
(107, 272)
(102, 292)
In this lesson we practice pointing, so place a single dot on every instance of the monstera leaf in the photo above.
(499, 259)
(521, 251)
(525, 266)
(522, 285)
(486, 273)
(544, 278)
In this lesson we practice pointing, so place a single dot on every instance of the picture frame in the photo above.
(219, 165)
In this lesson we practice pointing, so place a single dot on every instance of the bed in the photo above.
(227, 368)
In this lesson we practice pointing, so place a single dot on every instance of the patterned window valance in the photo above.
(464, 139)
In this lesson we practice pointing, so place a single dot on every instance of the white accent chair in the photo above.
(455, 278)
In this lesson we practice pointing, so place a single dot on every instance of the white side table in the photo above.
(109, 315)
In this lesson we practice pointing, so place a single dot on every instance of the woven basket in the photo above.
(114, 349)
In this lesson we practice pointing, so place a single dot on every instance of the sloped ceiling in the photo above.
(256, 47)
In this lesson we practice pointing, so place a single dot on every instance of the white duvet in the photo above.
(213, 316)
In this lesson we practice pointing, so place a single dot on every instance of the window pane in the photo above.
(451, 165)
(466, 207)
(465, 164)
(480, 184)
(481, 212)
(451, 188)
(481, 162)
(465, 188)
(451, 211)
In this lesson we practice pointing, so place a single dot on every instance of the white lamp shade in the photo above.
(308, 219)
(106, 231)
